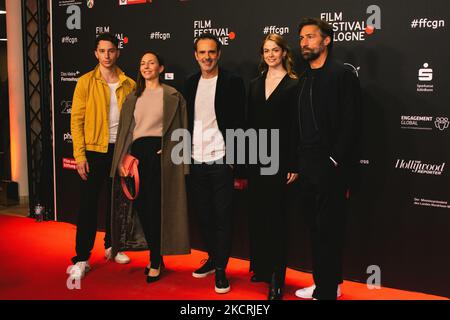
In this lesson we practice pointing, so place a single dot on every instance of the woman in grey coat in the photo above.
(157, 219)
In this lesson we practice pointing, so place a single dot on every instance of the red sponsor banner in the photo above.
(128, 2)
(69, 163)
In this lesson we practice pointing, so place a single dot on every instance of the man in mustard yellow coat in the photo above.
(96, 105)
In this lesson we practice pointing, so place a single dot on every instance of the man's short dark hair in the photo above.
(325, 28)
(107, 36)
(209, 36)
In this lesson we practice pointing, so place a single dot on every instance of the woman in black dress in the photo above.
(272, 103)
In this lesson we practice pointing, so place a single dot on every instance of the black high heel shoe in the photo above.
(147, 269)
(151, 279)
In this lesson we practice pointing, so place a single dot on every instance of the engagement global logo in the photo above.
(424, 122)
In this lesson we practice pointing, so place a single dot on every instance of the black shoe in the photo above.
(276, 287)
(257, 278)
(147, 269)
(222, 284)
(275, 293)
(207, 268)
(151, 279)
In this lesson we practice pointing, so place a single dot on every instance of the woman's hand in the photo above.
(122, 172)
(291, 177)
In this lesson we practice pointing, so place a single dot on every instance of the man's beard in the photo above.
(312, 55)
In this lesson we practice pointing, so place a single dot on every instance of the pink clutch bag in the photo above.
(130, 165)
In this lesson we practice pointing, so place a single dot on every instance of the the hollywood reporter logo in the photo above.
(417, 166)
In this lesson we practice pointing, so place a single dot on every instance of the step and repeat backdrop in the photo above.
(399, 221)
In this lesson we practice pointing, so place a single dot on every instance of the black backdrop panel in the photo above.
(399, 217)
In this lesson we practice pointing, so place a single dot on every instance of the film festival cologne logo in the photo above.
(123, 39)
(353, 30)
(224, 35)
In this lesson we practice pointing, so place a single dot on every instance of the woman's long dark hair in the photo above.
(140, 81)
(288, 62)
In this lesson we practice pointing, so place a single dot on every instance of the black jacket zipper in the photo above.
(311, 103)
(299, 107)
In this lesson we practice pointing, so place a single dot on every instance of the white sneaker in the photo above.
(307, 293)
(121, 257)
(79, 270)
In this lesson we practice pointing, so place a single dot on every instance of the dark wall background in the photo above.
(399, 219)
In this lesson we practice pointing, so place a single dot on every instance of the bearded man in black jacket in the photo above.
(329, 107)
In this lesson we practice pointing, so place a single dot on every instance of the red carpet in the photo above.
(35, 257)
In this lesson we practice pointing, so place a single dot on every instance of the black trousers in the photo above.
(211, 188)
(267, 225)
(98, 177)
(324, 203)
(148, 203)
